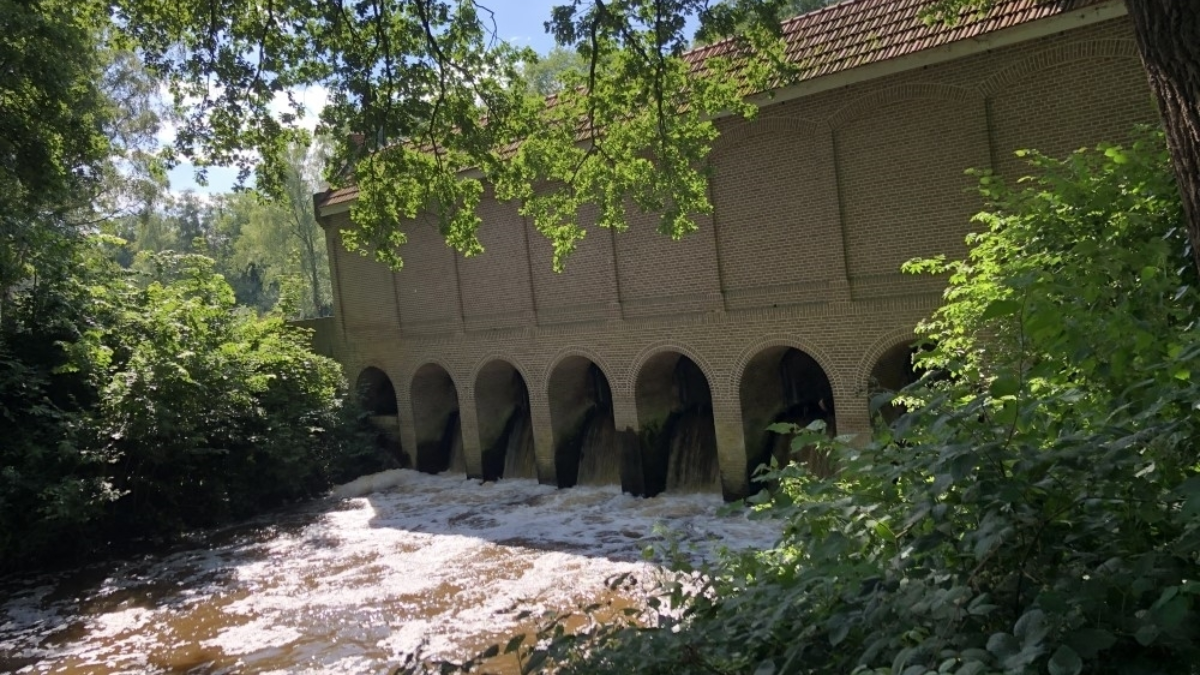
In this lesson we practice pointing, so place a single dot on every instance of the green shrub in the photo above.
(1036, 511)
(186, 412)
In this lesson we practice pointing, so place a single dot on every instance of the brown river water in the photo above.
(392, 564)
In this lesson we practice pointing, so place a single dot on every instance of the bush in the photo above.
(1035, 512)
(186, 412)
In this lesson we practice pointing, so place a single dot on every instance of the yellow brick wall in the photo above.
(817, 202)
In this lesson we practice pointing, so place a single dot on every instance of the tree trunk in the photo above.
(1168, 36)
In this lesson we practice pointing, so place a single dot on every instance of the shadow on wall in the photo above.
(678, 439)
(436, 421)
(377, 398)
(784, 384)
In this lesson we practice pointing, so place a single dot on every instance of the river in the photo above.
(389, 565)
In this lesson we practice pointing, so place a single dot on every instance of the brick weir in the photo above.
(787, 304)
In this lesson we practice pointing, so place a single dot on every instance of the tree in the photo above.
(429, 91)
(423, 80)
(544, 75)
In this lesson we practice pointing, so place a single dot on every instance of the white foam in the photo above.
(397, 562)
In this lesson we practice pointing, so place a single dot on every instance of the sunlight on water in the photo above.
(395, 562)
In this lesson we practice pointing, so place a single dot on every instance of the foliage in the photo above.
(271, 251)
(544, 74)
(155, 406)
(421, 90)
(1037, 511)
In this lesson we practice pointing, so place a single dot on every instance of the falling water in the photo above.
(599, 460)
(692, 451)
(393, 564)
(519, 458)
(452, 446)
(446, 453)
(683, 456)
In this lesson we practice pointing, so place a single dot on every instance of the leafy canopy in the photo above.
(432, 111)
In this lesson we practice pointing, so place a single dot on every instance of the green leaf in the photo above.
(999, 308)
(1065, 662)
(536, 659)
(767, 667)
(1006, 384)
(1003, 645)
(1090, 641)
(1147, 634)
(514, 643)
(1032, 628)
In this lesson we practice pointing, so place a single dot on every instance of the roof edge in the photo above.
(1025, 32)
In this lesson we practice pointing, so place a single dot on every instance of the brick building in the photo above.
(789, 295)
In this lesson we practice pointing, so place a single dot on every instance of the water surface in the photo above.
(393, 563)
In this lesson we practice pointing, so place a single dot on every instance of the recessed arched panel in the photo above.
(679, 440)
(584, 431)
(436, 421)
(505, 425)
(1068, 98)
(904, 191)
(376, 394)
(783, 384)
(776, 214)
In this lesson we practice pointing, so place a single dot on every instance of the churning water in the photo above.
(394, 563)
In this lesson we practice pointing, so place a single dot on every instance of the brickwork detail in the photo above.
(816, 204)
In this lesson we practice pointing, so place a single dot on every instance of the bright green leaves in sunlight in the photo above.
(432, 111)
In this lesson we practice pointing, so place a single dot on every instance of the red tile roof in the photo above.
(860, 32)
(857, 33)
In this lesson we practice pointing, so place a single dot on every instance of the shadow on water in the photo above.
(45, 611)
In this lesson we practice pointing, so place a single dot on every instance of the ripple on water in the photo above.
(394, 562)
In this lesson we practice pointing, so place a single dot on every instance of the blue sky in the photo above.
(520, 22)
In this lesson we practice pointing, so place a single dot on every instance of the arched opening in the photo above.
(375, 392)
(581, 417)
(505, 427)
(892, 372)
(377, 397)
(783, 384)
(679, 437)
(436, 421)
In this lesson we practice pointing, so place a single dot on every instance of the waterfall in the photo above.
(599, 461)
(691, 444)
(517, 444)
(452, 446)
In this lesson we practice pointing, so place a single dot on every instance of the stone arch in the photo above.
(883, 343)
(650, 351)
(583, 352)
(501, 393)
(744, 130)
(868, 104)
(778, 380)
(434, 398)
(674, 399)
(1072, 51)
(583, 428)
(473, 376)
(375, 392)
(777, 340)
